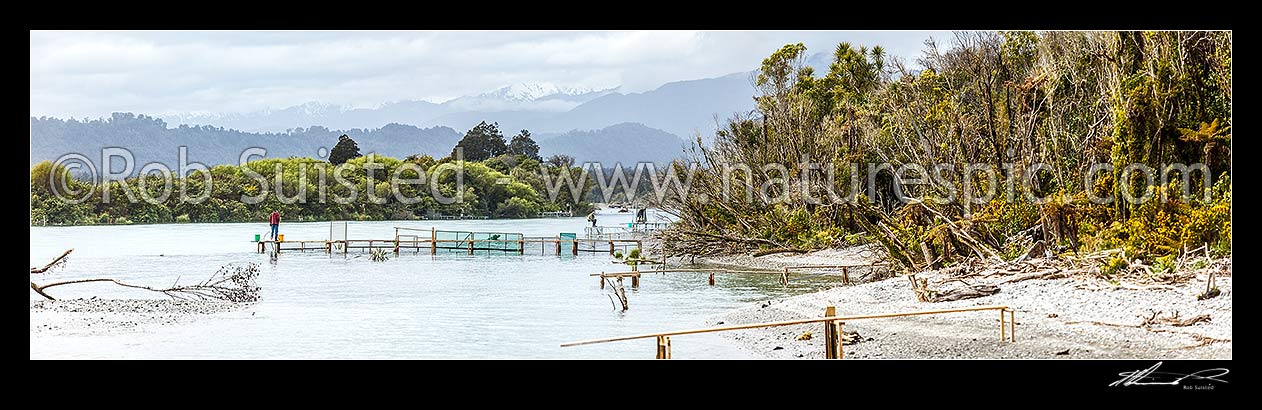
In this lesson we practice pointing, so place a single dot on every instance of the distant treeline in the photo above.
(510, 181)
(150, 140)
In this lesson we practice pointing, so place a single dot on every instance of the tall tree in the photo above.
(561, 161)
(522, 144)
(345, 149)
(482, 142)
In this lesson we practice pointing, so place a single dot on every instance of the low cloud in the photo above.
(91, 74)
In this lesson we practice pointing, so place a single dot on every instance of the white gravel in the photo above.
(99, 316)
(1053, 321)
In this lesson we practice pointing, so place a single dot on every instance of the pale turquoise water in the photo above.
(413, 306)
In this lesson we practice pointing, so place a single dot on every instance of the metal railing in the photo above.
(832, 328)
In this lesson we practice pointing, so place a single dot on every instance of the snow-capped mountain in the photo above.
(535, 91)
(662, 119)
(683, 108)
(546, 97)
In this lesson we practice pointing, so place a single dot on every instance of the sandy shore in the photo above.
(99, 316)
(1056, 318)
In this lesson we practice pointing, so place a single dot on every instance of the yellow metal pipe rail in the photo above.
(832, 329)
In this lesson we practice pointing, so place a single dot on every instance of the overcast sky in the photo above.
(91, 74)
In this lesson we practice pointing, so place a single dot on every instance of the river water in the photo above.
(316, 305)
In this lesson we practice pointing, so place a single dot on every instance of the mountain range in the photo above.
(604, 125)
(148, 139)
(682, 108)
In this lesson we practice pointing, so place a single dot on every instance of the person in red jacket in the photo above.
(275, 221)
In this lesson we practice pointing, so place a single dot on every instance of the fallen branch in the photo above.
(230, 283)
(55, 262)
(778, 250)
(1049, 274)
(1191, 321)
(617, 290)
(965, 293)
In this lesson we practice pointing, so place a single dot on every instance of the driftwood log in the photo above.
(56, 262)
(967, 292)
(230, 283)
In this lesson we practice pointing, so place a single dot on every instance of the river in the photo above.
(316, 305)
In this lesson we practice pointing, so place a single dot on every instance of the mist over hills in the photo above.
(682, 108)
(590, 125)
(150, 140)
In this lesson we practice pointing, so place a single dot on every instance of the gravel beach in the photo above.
(99, 316)
(1056, 319)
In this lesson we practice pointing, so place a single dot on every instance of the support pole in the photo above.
(830, 334)
(1012, 318)
(433, 241)
(396, 241)
(663, 347)
(1002, 332)
(711, 278)
(841, 341)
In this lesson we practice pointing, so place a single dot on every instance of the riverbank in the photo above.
(1071, 317)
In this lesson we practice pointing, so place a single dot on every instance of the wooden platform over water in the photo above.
(435, 240)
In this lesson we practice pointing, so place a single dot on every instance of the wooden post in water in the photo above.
(396, 241)
(784, 277)
(471, 246)
(830, 334)
(663, 347)
(635, 280)
(521, 246)
(845, 275)
(602, 280)
(433, 241)
(711, 278)
(573, 249)
(610, 248)
(558, 244)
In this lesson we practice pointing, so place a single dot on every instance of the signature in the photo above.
(1151, 376)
